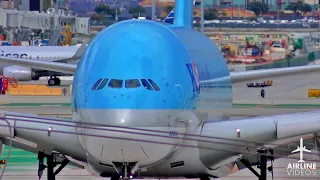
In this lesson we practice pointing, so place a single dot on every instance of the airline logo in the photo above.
(14, 55)
(194, 76)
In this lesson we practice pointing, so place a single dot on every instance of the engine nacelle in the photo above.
(20, 73)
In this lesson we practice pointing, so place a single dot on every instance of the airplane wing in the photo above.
(245, 136)
(297, 150)
(31, 133)
(50, 66)
(243, 76)
(267, 73)
(306, 150)
(68, 65)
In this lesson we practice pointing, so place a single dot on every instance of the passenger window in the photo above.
(96, 84)
(132, 83)
(115, 83)
(104, 82)
(154, 85)
(146, 84)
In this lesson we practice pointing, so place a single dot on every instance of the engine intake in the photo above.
(20, 73)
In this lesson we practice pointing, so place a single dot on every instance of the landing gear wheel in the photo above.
(114, 178)
(58, 81)
(54, 81)
(51, 82)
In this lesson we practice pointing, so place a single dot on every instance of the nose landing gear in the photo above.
(126, 170)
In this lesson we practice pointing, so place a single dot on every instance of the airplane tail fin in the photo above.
(184, 13)
(170, 17)
(77, 55)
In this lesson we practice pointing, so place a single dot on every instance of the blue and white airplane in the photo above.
(152, 100)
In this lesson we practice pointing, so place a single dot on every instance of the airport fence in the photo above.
(287, 62)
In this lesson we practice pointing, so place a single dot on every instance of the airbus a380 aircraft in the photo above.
(67, 54)
(151, 100)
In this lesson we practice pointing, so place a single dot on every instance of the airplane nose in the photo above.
(131, 144)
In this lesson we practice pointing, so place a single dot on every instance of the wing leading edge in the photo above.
(31, 133)
(266, 73)
(50, 66)
(68, 65)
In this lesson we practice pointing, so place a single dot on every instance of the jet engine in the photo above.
(20, 73)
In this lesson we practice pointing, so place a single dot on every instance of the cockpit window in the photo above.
(96, 84)
(115, 83)
(132, 83)
(146, 84)
(103, 84)
(154, 85)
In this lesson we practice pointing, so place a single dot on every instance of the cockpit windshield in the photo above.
(154, 85)
(146, 84)
(96, 84)
(128, 83)
(115, 83)
(103, 84)
(132, 83)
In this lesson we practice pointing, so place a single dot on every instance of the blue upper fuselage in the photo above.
(140, 64)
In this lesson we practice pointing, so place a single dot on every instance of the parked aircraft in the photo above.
(70, 54)
(153, 100)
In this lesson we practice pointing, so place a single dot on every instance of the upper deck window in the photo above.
(132, 83)
(115, 83)
(154, 85)
(96, 84)
(146, 84)
(103, 84)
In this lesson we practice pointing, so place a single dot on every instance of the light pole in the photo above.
(202, 16)
(153, 10)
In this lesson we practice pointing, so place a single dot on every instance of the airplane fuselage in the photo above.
(41, 53)
(113, 87)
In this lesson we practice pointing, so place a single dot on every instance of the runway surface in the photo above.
(287, 95)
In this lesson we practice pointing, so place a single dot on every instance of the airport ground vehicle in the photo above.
(4, 84)
(260, 84)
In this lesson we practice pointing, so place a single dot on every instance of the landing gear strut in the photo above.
(54, 81)
(264, 157)
(126, 170)
(51, 164)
